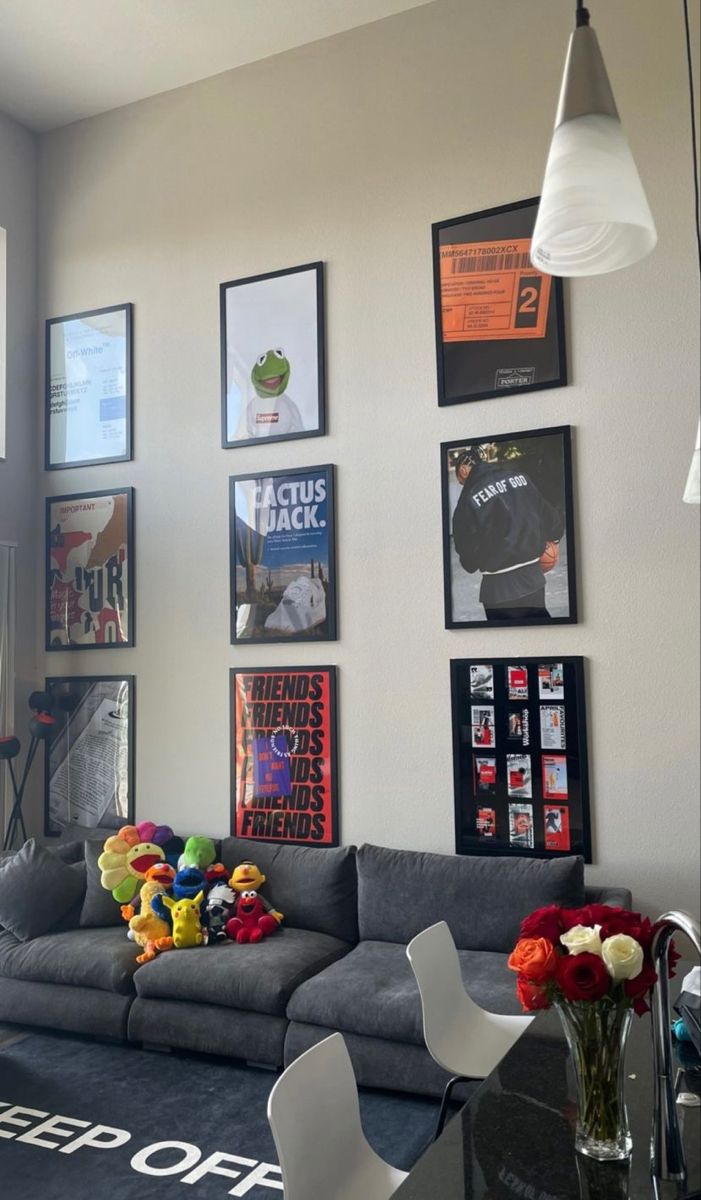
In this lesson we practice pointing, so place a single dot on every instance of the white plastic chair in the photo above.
(314, 1116)
(460, 1036)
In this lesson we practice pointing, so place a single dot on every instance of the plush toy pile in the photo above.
(174, 895)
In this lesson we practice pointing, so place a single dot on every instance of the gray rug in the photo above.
(214, 1108)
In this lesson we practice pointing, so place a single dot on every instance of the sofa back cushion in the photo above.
(483, 899)
(99, 906)
(315, 888)
(36, 891)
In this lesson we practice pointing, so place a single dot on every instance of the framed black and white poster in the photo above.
(283, 556)
(89, 764)
(272, 356)
(90, 570)
(499, 320)
(520, 756)
(284, 755)
(88, 388)
(508, 529)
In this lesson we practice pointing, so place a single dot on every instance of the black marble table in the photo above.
(514, 1139)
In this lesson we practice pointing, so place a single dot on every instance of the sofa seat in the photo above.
(259, 978)
(372, 992)
(92, 958)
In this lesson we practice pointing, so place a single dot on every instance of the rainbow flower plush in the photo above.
(127, 856)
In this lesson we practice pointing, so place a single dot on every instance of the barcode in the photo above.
(490, 262)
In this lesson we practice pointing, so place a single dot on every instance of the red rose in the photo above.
(544, 922)
(621, 921)
(582, 976)
(531, 996)
(642, 982)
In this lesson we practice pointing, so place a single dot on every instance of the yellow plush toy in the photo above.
(187, 930)
(148, 929)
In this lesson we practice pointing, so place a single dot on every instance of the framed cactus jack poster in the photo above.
(283, 556)
(272, 356)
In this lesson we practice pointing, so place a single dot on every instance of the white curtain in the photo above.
(7, 666)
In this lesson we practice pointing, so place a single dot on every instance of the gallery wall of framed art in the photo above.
(520, 761)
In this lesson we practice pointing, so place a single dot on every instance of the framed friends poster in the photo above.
(499, 320)
(283, 755)
(88, 388)
(508, 529)
(520, 757)
(89, 764)
(272, 356)
(283, 556)
(90, 570)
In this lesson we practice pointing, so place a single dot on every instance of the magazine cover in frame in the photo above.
(283, 556)
(89, 763)
(508, 529)
(283, 755)
(90, 571)
(272, 356)
(520, 756)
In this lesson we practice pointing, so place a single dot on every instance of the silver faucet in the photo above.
(668, 1160)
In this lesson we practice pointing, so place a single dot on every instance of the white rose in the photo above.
(581, 939)
(623, 956)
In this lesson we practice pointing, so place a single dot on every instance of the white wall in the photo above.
(346, 151)
(20, 492)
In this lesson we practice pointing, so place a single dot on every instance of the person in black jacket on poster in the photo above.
(501, 525)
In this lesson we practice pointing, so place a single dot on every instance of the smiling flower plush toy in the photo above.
(128, 855)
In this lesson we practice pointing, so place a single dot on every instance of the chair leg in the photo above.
(446, 1101)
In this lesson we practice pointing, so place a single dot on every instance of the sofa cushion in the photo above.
(99, 906)
(36, 890)
(316, 888)
(483, 899)
(93, 958)
(372, 991)
(259, 978)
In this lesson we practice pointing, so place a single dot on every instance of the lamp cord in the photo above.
(694, 154)
(583, 16)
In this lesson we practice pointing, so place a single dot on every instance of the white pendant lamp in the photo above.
(593, 215)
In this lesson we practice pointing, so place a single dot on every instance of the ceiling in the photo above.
(62, 60)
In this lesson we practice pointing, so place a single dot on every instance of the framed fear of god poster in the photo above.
(520, 757)
(499, 320)
(90, 570)
(283, 755)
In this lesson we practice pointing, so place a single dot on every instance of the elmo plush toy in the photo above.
(251, 923)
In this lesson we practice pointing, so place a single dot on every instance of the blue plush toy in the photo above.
(187, 883)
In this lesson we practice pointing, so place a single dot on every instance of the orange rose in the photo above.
(535, 958)
(532, 996)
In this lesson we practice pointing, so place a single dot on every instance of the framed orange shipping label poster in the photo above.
(499, 320)
(283, 755)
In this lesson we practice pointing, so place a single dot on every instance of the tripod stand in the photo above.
(41, 727)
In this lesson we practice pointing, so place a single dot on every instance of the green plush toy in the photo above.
(199, 852)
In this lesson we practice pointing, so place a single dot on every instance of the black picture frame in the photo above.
(480, 788)
(75, 716)
(553, 481)
(320, 802)
(246, 544)
(51, 643)
(471, 367)
(317, 428)
(90, 460)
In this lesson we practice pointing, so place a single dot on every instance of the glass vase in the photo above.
(597, 1032)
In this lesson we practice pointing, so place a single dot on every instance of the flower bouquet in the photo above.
(594, 964)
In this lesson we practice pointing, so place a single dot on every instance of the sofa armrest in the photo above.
(608, 895)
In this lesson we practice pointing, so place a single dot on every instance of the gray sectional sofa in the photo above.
(338, 963)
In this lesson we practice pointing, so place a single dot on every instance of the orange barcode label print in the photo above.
(491, 291)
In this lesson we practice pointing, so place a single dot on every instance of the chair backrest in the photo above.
(445, 1004)
(314, 1116)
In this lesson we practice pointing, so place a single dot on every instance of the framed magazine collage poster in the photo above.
(520, 756)
(283, 755)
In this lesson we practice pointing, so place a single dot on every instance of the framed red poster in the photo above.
(283, 755)
(499, 320)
